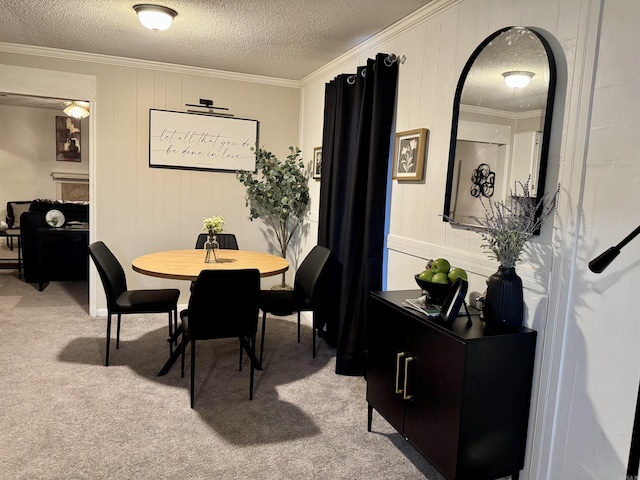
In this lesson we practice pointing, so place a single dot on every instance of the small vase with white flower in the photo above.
(213, 226)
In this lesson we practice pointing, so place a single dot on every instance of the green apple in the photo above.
(440, 265)
(457, 273)
(425, 275)
(440, 277)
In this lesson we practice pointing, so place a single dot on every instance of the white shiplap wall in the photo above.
(137, 209)
(587, 361)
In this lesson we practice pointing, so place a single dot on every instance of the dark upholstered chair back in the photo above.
(122, 301)
(14, 210)
(225, 240)
(307, 280)
(111, 273)
(224, 304)
(309, 288)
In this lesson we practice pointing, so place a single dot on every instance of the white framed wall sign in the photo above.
(198, 141)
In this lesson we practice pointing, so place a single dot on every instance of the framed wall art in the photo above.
(317, 163)
(68, 139)
(409, 154)
(196, 141)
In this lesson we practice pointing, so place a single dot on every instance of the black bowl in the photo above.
(436, 292)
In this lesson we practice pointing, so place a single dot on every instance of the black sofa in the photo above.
(50, 253)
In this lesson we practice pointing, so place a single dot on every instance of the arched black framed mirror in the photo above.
(500, 133)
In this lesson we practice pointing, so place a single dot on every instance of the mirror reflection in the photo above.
(501, 122)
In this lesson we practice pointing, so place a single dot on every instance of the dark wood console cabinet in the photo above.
(458, 393)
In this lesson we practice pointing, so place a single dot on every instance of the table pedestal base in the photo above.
(177, 352)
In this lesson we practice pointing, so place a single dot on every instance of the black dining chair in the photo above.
(225, 240)
(305, 295)
(223, 304)
(122, 301)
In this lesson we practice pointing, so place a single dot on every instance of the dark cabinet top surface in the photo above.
(460, 328)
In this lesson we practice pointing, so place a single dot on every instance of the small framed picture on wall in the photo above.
(67, 139)
(409, 154)
(317, 163)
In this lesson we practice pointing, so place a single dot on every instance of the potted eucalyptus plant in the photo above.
(278, 193)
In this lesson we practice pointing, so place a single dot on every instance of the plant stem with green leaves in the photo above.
(508, 225)
(277, 192)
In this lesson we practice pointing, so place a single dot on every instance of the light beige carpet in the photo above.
(63, 415)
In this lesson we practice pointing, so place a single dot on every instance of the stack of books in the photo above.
(423, 306)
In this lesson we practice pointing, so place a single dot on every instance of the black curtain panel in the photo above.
(358, 118)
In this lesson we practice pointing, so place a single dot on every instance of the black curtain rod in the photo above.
(391, 58)
(388, 61)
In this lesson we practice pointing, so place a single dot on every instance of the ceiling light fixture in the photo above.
(517, 79)
(77, 109)
(155, 17)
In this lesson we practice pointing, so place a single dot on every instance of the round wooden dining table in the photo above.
(187, 264)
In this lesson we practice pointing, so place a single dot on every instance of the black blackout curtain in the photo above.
(358, 118)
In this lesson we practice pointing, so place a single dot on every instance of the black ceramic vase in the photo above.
(504, 304)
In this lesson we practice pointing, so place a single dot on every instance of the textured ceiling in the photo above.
(276, 38)
(515, 49)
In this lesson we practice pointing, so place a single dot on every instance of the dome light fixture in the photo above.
(155, 17)
(77, 109)
(517, 79)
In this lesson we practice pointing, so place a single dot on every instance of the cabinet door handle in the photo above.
(398, 360)
(407, 361)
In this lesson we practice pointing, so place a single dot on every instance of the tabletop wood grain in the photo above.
(187, 264)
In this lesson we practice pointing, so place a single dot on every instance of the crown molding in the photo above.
(145, 64)
(432, 9)
(501, 113)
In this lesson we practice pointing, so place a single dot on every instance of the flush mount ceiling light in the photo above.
(155, 17)
(77, 109)
(517, 79)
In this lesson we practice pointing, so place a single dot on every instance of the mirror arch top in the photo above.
(497, 130)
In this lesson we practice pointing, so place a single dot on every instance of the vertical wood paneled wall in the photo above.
(140, 209)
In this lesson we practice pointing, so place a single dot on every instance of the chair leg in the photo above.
(252, 343)
(240, 360)
(264, 322)
(118, 332)
(106, 364)
(182, 356)
(249, 343)
(298, 326)
(175, 325)
(171, 330)
(193, 370)
(313, 331)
